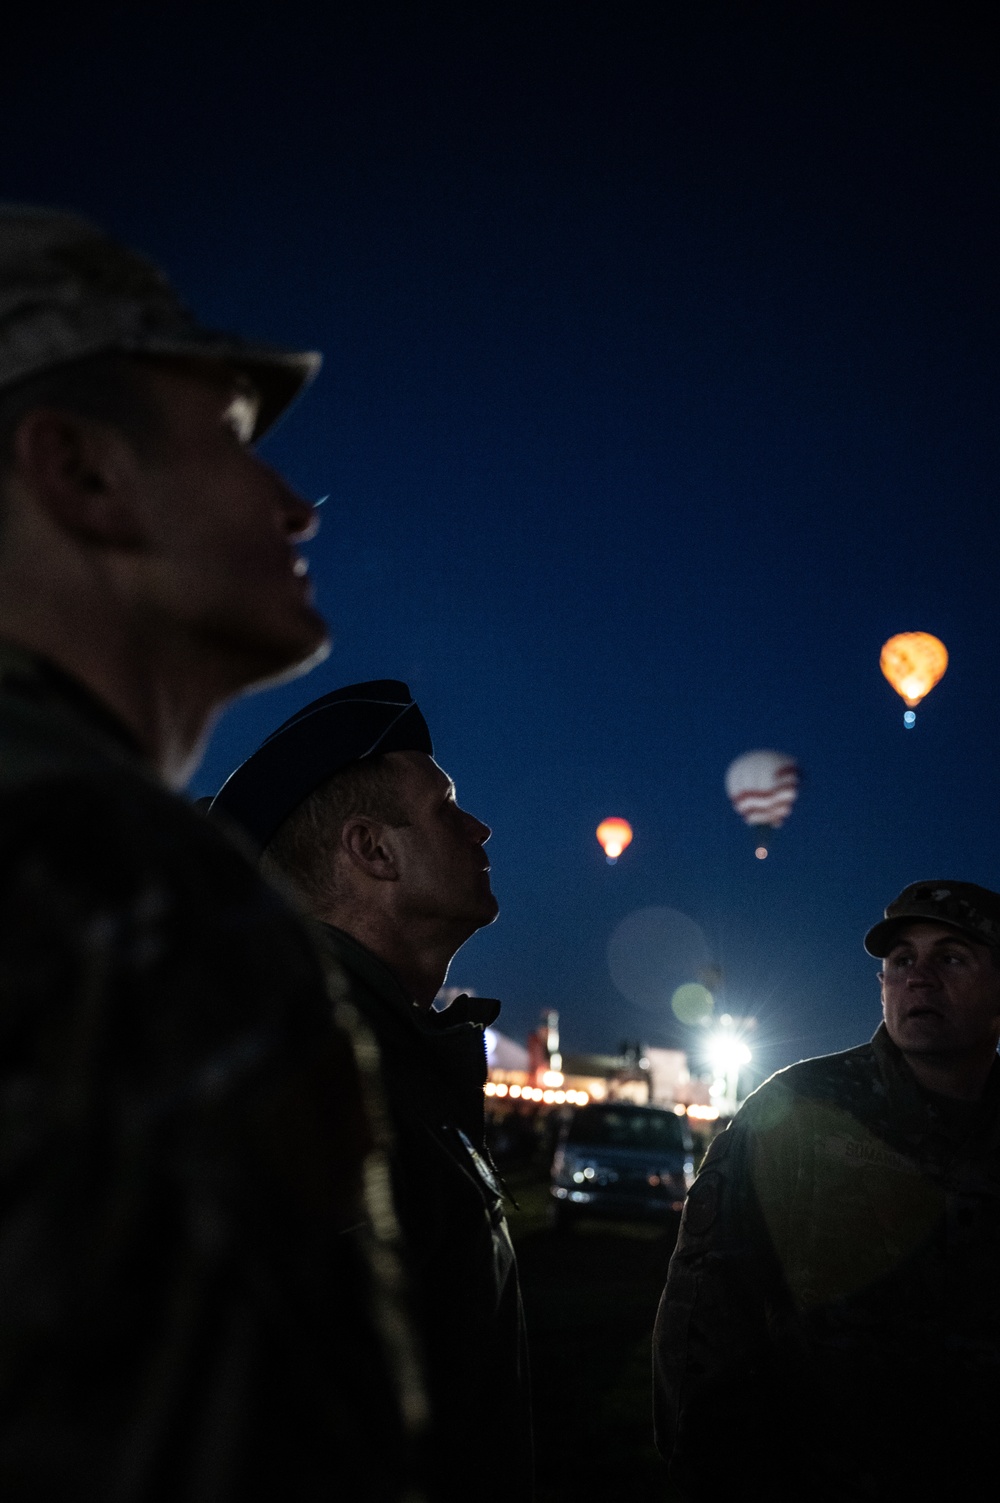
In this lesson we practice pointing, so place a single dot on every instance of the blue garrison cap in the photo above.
(363, 720)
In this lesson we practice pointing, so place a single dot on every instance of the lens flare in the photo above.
(692, 1003)
(652, 952)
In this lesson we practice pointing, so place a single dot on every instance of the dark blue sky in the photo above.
(660, 389)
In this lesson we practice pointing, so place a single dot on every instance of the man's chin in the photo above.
(480, 915)
(288, 661)
(930, 1039)
(312, 659)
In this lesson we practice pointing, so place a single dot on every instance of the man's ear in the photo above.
(82, 473)
(362, 839)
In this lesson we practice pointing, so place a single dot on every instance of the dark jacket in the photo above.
(463, 1275)
(182, 1141)
(832, 1310)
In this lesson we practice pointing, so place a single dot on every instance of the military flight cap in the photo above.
(362, 720)
(972, 910)
(68, 291)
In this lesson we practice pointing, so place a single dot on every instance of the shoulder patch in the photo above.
(771, 1106)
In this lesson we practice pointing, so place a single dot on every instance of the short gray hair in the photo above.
(303, 851)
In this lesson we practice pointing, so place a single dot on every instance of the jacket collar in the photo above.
(917, 1110)
(464, 1014)
(39, 684)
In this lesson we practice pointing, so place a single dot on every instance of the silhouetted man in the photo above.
(831, 1323)
(354, 814)
(182, 1139)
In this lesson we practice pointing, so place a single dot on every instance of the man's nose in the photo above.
(300, 516)
(922, 971)
(480, 832)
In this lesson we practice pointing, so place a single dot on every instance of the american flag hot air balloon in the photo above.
(762, 787)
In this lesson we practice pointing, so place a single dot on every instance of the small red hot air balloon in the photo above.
(613, 836)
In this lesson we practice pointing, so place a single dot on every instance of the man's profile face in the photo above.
(444, 870)
(940, 991)
(222, 565)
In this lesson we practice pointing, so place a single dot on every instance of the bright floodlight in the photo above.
(726, 1053)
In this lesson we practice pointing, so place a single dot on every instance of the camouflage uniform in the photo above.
(185, 1314)
(830, 1326)
(465, 1290)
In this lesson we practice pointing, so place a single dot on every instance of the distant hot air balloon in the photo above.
(613, 836)
(762, 787)
(913, 662)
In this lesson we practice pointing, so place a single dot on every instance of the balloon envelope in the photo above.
(614, 835)
(762, 787)
(913, 662)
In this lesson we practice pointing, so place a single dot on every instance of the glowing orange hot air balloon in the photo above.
(913, 662)
(613, 836)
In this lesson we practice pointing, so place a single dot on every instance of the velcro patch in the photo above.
(867, 1153)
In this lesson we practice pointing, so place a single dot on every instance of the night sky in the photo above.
(660, 389)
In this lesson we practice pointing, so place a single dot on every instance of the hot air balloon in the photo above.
(613, 836)
(913, 662)
(762, 787)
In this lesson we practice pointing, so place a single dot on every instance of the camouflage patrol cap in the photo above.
(972, 910)
(68, 291)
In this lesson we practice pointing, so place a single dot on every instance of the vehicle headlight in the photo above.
(568, 1165)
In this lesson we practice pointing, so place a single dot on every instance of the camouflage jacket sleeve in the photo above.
(181, 1314)
(712, 1342)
